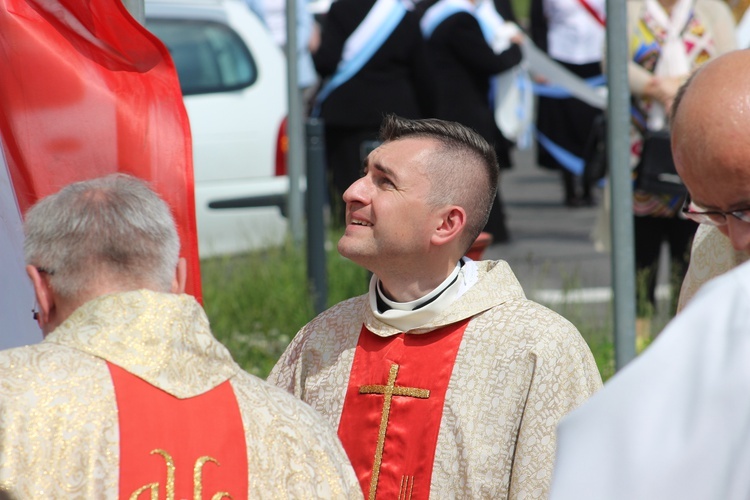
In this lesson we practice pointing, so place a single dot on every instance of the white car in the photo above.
(233, 79)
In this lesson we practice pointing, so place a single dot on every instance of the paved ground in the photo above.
(551, 250)
(550, 247)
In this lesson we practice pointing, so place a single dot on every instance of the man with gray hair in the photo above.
(444, 380)
(129, 395)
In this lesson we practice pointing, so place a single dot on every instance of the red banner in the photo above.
(86, 91)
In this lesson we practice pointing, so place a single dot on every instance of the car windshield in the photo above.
(209, 56)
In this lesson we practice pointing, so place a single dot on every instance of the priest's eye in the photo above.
(385, 182)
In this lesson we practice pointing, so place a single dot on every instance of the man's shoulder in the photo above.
(532, 325)
(273, 410)
(535, 317)
(358, 8)
(22, 368)
(346, 311)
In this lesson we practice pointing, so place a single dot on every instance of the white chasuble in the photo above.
(132, 397)
(518, 368)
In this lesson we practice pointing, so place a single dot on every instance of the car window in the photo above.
(209, 56)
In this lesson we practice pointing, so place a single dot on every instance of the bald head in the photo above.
(710, 134)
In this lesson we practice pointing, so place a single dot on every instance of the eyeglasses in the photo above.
(712, 217)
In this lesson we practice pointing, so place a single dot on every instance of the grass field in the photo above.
(258, 301)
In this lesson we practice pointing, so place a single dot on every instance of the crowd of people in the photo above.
(443, 380)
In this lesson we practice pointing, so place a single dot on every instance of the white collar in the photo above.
(407, 316)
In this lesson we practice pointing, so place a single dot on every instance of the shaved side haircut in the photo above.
(463, 170)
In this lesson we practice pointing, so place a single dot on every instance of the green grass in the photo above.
(257, 302)
(521, 10)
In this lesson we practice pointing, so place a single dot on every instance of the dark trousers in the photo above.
(650, 233)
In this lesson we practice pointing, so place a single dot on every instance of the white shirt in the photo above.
(574, 36)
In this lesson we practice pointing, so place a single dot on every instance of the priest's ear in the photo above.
(180, 276)
(45, 299)
(451, 225)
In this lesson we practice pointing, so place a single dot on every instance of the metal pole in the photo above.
(618, 120)
(295, 130)
(316, 200)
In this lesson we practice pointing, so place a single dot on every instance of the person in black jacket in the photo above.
(464, 62)
(573, 36)
(396, 79)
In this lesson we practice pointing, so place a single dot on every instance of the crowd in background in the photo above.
(439, 58)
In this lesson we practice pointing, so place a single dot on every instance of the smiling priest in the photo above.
(444, 381)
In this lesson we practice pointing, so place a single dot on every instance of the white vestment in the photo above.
(710, 256)
(675, 422)
(59, 427)
(519, 368)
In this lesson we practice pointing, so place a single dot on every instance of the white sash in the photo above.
(673, 60)
(362, 44)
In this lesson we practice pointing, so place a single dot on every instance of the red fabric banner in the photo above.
(393, 407)
(86, 91)
(179, 448)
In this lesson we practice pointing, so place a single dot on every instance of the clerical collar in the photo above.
(407, 316)
(384, 303)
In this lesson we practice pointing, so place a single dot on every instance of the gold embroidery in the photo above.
(154, 491)
(388, 391)
(406, 488)
(197, 479)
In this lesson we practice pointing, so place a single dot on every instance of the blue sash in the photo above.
(443, 9)
(362, 44)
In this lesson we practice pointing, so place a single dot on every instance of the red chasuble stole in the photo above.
(393, 406)
(179, 448)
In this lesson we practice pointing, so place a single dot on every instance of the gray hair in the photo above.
(464, 169)
(114, 226)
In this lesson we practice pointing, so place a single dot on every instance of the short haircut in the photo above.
(464, 170)
(114, 227)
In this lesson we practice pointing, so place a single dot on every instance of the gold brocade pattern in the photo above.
(48, 449)
(164, 339)
(519, 369)
(712, 254)
(291, 455)
(58, 413)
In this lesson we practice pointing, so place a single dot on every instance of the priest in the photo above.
(713, 164)
(129, 395)
(443, 380)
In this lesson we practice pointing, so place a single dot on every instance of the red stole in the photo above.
(394, 403)
(179, 448)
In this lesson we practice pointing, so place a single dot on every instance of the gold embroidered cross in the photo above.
(388, 391)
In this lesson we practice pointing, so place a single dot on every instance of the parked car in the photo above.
(233, 79)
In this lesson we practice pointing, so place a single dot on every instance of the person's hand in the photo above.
(314, 42)
(663, 89)
(670, 86)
